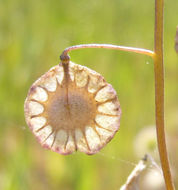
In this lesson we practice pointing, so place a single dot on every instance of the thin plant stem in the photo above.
(157, 55)
(106, 46)
(159, 93)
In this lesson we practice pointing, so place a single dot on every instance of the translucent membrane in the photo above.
(72, 108)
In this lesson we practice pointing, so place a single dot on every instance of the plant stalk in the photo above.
(159, 93)
(157, 55)
(64, 55)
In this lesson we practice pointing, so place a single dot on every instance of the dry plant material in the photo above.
(132, 180)
(152, 180)
(72, 108)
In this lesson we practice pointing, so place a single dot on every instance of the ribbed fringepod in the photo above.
(72, 107)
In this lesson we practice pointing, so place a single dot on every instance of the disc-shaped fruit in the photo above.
(72, 108)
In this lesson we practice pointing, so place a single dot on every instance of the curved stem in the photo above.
(106, 46)
(157, 55)
(159, 93)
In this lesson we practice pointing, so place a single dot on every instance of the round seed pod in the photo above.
(72, 108)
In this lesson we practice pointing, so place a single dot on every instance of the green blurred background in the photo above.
(33, 33)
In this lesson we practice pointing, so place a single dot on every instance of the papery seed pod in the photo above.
(72, 108)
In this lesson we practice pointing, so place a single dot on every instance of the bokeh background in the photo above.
(33, 33)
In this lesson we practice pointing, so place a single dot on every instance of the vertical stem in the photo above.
(159, 93)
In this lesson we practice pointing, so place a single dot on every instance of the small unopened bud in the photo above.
(176, 40)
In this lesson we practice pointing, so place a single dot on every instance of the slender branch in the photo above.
(157, 55)
(159, 93)
(65, 56)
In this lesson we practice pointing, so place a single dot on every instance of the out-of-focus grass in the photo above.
(32, 36)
